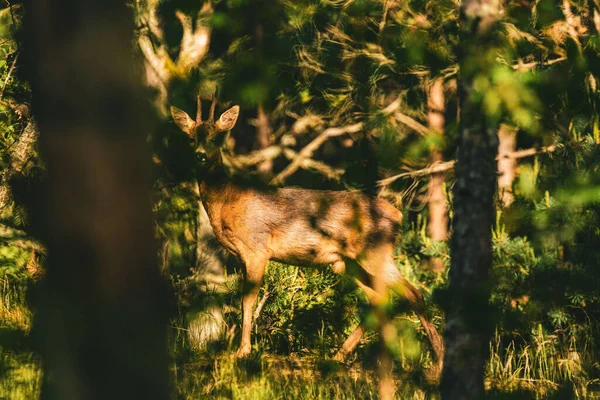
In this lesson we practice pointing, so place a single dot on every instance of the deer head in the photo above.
(206, 137)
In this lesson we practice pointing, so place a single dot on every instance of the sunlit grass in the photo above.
(541, 366)
(268, 377)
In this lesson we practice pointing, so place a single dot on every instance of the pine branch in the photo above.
(448, 165)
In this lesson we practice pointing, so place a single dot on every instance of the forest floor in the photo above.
(307, 377)
(284, 377)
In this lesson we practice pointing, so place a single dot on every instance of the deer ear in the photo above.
(183, 120)
(228, 119)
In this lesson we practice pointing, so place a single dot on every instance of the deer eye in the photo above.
(192, 140)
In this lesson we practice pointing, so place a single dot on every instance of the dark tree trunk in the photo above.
(468, 325)
(101, 316)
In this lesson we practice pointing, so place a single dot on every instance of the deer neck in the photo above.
(213, 184)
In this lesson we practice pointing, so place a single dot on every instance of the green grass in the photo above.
(538, 370)
(542, 367)
(268, 377)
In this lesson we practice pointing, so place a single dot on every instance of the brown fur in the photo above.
(300, 227)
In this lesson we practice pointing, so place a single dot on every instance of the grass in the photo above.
(539, 369)
(542, 366)
(268, 377)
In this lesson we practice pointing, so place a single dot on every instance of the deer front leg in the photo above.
(255, 270)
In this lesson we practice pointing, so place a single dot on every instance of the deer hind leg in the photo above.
(255, 270)
(379, 262)
(414, 298)
(354, 338)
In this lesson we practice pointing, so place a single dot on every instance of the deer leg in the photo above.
(354, 338)
(414, 298)
(380, 262)
(252, 280)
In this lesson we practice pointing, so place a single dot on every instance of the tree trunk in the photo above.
(507, 144)
(468, 325)
(438, 208)
(101, 316)
(263, 137)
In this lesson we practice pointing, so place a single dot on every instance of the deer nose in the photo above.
(201, 157)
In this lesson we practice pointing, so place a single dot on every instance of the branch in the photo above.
(320, 167)
(160, 67)
(242, 162)
(254, 158)
(152, 20)
(260, 306)
(411, 123)
(310, 148)
(446, 166)
(158, 59)
(532, 65)
(194, 43)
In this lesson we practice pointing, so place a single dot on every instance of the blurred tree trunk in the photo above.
(101, 316)
(438, 209)
(507, 144)
(468, 327)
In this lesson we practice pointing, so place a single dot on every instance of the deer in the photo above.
(298, 226)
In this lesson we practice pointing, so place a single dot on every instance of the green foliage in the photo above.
(306, 310)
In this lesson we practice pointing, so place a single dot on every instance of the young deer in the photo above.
(297, 226)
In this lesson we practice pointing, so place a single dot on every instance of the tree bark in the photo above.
(438, 208)
(101, 316)
(468, 327)
(507, 144)
(263, 137)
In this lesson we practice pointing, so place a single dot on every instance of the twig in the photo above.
(322, 168)
(532, 65)
(261, 304)
(445, 166)
(411, 123)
